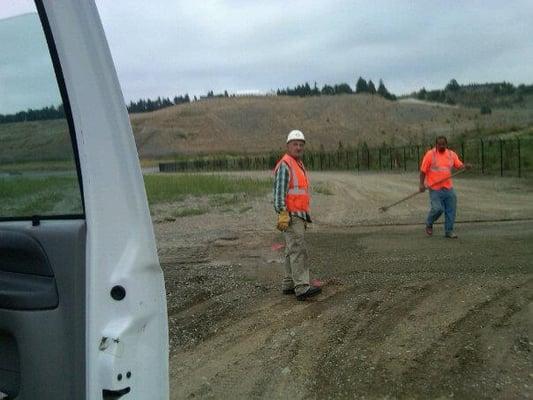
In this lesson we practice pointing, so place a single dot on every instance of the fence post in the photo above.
(519, 165)
(368, 158)
(501, 157)
(482, 157)
(463, 151)
(379, 155)
(404, 160)
(357, 158)
(390, 154)
(417, 156)
(347, 157)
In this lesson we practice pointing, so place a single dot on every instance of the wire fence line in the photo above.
(504, 157)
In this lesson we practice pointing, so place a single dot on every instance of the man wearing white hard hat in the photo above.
(291, 202)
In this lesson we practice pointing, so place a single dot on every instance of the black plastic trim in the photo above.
(44, 217)
(108, 394)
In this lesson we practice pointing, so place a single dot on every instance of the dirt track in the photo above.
(401, 315)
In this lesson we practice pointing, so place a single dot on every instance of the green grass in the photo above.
(35, 141)
(26, 196)
(186, 212)
(322, 189)
(164, 188)
(33, 166)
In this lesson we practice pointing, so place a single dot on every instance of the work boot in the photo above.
(312, 291)
(429, 230)
(451, 235)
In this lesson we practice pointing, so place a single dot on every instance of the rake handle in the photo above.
(385, 208)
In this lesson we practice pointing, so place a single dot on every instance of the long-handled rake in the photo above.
(385, 208)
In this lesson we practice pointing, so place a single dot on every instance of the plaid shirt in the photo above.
(281, 187)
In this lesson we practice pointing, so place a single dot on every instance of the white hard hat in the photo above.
(295, 135)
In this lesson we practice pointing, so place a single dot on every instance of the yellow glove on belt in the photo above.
(283, 220)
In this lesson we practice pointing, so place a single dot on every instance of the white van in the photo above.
(82, 297)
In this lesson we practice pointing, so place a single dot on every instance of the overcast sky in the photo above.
(169, 47)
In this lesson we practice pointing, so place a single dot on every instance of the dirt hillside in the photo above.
(252, 125)
(259, 124)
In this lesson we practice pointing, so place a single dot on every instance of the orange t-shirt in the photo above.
(438, 166)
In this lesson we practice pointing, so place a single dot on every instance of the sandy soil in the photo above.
(401, 315)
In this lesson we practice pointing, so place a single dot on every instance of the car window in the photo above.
(38, 175)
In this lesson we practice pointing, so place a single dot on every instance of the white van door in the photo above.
(82, 297)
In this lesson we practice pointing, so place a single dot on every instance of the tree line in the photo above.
(149, 105)
(45, 113)
(58, 112)
(361, 86)
(484, 95)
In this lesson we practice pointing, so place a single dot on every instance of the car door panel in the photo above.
(43, 343)
(82, 296)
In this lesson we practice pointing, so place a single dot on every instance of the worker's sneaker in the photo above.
(451, 235)
(288, 291)
(429, 230)
(312, 291)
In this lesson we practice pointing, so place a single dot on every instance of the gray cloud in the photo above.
(236, 45)
(172, 47)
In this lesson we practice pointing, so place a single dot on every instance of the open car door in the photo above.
(82, 298)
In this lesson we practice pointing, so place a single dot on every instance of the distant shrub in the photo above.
(450, 101)
(485, 110)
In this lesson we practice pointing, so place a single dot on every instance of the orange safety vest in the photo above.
(297, 198)
(440, 169)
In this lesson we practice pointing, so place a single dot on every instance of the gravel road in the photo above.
(401, 315)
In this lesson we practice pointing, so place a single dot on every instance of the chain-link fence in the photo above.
(505, 157)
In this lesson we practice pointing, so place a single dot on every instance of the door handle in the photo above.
(27, 292)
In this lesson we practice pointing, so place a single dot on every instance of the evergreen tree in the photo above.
(422, 94)
(382, 91)
(371, 87)
(315, 91)
(452, 86)
(307, 90)
(343, 88)
(328, 90)
(361, 86)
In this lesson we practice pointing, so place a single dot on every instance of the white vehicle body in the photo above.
(124, 339)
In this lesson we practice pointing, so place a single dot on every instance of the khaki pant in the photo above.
(296, 269)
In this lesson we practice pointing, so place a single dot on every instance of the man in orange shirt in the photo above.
(435, 174)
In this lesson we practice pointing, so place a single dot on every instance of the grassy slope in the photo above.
(252, 125)
(34, 141)
(259, 124)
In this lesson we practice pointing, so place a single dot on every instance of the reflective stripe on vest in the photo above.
(435, 167)
(293, 176)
